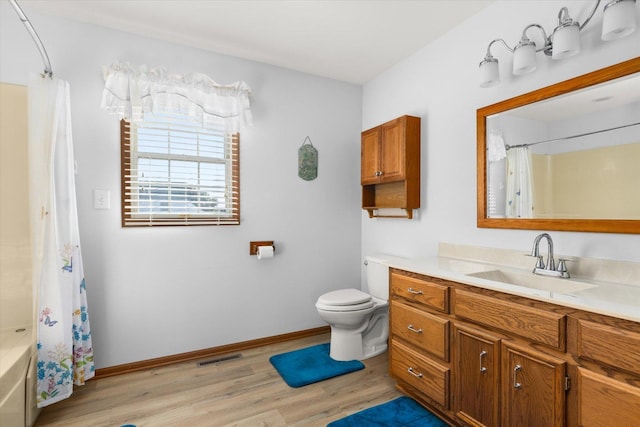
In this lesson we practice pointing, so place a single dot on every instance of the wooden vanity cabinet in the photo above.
(499, 371)
(390, 166)
(479, 357)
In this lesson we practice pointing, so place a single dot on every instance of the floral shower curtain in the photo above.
(65, 354)
(519, 183)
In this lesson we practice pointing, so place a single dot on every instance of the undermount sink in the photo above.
(530, 280)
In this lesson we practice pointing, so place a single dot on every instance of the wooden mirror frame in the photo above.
(589, 225)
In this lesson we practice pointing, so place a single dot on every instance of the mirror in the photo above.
(565, 157)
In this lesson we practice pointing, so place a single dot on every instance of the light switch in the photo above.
(101, 199)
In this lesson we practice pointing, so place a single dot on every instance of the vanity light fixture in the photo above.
(618, 21)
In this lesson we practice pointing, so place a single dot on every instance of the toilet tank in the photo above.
(378, 277)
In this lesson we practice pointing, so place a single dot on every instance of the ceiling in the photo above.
(611, 95)
(347, 40)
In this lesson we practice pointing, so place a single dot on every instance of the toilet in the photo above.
(359, 321)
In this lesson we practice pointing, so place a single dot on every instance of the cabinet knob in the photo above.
(413, 291)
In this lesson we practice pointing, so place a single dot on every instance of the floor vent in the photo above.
(220, 359)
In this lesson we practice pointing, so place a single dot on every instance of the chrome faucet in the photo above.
(548, 269)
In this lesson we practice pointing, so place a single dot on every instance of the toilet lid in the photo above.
(355, 307)
(346, 297)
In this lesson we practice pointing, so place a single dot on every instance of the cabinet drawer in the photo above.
(432, 295)
(427, 376)
(607, 344)
(603, 401)
(421, 329)
(535, 324)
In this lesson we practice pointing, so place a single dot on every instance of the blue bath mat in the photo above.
(311, 365)
(401, 412)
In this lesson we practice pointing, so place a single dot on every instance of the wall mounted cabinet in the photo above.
(390, 166)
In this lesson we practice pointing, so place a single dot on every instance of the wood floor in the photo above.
(242, 392)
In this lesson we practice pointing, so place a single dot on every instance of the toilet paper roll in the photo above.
(265, 252)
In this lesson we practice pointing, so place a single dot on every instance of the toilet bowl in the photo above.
(359, 321)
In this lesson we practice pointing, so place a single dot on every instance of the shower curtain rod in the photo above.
(564, 138)
(43, 52)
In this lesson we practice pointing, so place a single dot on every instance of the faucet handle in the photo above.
(562, 267)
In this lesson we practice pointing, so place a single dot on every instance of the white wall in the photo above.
(168, 290)
(440, 84)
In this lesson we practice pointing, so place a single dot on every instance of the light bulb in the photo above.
(524, 57)
(619, 19)
(489, 72)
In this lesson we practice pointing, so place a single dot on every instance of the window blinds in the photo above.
(175, 172)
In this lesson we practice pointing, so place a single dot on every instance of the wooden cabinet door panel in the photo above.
(429, 333)
(603, 401)
(545, 327)
(608, 344)
(532, 388)
(422, 291)
(425, 375)
(477, 376)
(393, 151)
(370, 157)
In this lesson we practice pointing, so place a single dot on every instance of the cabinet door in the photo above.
(477, 376)
(370, 156)
(603, 401)
(393, 151)
(532, 386)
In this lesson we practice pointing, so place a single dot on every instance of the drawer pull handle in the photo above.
(412, 329)
(516, 384)
(414, 373)
(482, 355)
(413, 291)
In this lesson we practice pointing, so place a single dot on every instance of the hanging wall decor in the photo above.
(307, 161)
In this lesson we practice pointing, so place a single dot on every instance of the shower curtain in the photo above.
(519, 183)
(65, 354)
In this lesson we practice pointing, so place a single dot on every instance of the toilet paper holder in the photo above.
(253, 246)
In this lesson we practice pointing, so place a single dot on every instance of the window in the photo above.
(176, 172)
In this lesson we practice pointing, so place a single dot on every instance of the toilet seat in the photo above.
(345, 300)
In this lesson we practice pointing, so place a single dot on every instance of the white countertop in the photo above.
(608, 298)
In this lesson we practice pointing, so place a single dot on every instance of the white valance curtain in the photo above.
(130, 91)
(496, 149)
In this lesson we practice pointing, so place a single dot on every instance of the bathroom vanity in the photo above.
(481, 351)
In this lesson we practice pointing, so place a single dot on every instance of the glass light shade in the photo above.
(619, 19)
(566, 41)
(524, 57)
(489, 72)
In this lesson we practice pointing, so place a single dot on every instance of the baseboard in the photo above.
(205, 353)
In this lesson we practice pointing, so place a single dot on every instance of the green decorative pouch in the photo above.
(307, 161)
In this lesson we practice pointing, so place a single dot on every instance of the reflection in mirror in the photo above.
(568, 161)
(554, 158)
